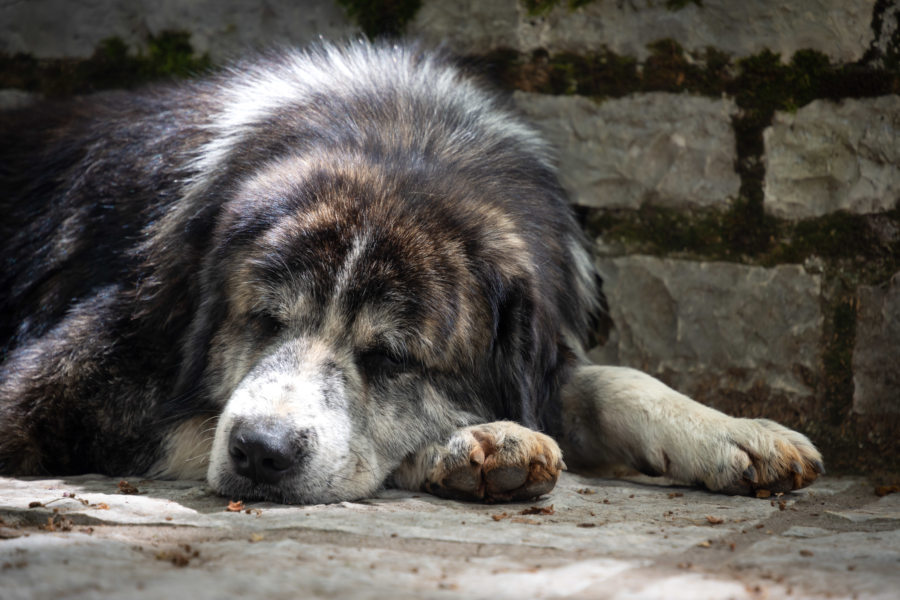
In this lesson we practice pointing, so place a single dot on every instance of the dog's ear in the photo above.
(599, 323)
(196, 342)
(526, 355)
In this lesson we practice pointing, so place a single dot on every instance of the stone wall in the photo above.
(736, 161)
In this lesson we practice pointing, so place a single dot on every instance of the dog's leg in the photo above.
(492, 462)
(616, 415)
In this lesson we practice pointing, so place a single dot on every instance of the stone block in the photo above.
(224, 28)
(734, 325)
(12, 99)
(876, 355)
(839, 28)
(672, 150)
(834, 156)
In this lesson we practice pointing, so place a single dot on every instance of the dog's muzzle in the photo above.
(267, 451)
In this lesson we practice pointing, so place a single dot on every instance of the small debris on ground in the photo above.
(180, 557)
(884, 490)
(538, 510)
(127, 488)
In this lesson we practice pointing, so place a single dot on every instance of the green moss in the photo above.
(679, 4)
(381, 18)
(744, 233)
(113, 65)
(538, 8)
(596, 74)
(889, 56)
(740, 233)
(760, 84)
(668, 69)
(765, 84)
(838, 358)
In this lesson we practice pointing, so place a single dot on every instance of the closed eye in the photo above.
(381, 362)
(266, 324)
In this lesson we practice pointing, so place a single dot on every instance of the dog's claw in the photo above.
(819, 466)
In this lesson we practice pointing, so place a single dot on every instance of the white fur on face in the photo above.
(295, 386)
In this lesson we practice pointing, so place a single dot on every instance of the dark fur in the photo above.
(114, 277)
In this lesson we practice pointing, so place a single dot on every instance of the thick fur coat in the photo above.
(315, 274)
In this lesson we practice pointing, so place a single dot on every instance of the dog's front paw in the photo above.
(495, 462)
(762, 455)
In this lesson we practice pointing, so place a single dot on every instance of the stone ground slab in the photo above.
(80, 537)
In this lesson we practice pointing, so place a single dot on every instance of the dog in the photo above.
(315, 274)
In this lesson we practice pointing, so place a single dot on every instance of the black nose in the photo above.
(265, 453)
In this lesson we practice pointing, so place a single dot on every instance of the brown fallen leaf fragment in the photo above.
(884, 490)
(57, 523)
(127, 488)
(806, 553)
(180, 557)
(586, 525)
(524, 520)
(35, 504)
(714, 520)
(763, 493)
(235, 506)
(500, 517)
(176, 557)
(586, 491)
(675, 495)
(102, 506)
(538, 510)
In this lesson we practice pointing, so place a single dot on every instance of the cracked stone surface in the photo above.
(834, 156)
(839, 28)
(79, 537)
(664, 149)
(716, 324)
(73, 28)
(224, 28)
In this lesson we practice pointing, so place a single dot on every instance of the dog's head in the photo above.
(369, 289)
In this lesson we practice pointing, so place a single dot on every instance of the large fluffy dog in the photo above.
(314, 275)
